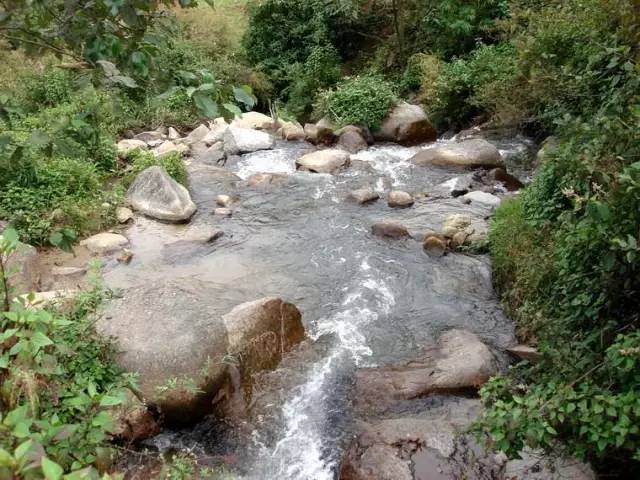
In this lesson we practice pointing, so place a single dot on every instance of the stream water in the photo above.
(365, 300)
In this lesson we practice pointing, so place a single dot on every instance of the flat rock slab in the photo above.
(475, 153)
(155, 194)
(324, 161)
(103, 243)
(458, 361)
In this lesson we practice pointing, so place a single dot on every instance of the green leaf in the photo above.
(40, 340)
(6, 459)
(51, 470)
(206, 105)
(245, 95)
(111, 400)
(233, 109)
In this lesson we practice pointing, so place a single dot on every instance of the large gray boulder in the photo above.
(324, 161)
(155, 194)
(407, 125)
(245, 140)
(169, 333)
(474, 153)
(459, 361)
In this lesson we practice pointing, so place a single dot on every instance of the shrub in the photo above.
(58, 382)
(141, 160)
(361, 100)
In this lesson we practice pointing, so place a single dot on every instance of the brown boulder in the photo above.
(475, 153)
(389, 230)
(407, 125)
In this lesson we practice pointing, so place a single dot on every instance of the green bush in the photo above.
(58, 382)
(141, 160)
(361, 100)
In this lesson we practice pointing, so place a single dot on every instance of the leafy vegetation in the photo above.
(58, 385)
(363, 100)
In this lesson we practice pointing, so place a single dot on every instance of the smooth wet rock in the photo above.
(387, 229)
(254, 120)
(125, 256)
(407, 125)
(223, 212)
(24, 263)
(525, 352)
(459, 361)
(155, 194)
(400, 199)
(243, 140)
(291, 131)
(148, 137)
(483, 198)
(510, 182)
(224, 200)
(197, 135)
(126, 146)
(324, 161)
(169, 333)
(363, 195)
(435, 245)
(103, 243)
(124, 214)
(350, 139)
(474, 153)
(266, 179)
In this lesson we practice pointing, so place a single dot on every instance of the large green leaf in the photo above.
(207, 106)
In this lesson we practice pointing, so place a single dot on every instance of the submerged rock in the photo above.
(363, 195)
(473, 153)
(264, 179)
(323, 161)
(400, 199)
(244, 140)
(168, 333)
(155, 194)
(407, 125)
(103, 243)
(459, 361)
(389, 229)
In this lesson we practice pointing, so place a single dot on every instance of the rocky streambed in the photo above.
(319, 312)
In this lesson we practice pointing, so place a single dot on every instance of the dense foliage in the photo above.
(363, 100)
(58, 385)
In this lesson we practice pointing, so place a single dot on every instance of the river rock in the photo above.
(214, 154)
(510, 182)
(134, 420)
(474, 153)
(197, 135)
(350, 139)
(24, 263)
(483, 198)
(291, 131)
(458, 361)
(535, 465)
(149, 137)
(68, 272)
(324, 161)
(400, 199)
(124, 147)
(223, 212)
(172, 134)
(387, 229)
(265, 179)
(155, 194)
(244, 140)
(124, 214)
(319, 134)
(168, 147)
(455, 223)
(363, 195)
(216, 133)
(168, 333)
(224, 200)
(103, 243)
(525, 352)
(435, 245)
(407, 125)
(255, 121)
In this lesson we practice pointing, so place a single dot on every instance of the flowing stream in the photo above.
(365, 301)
